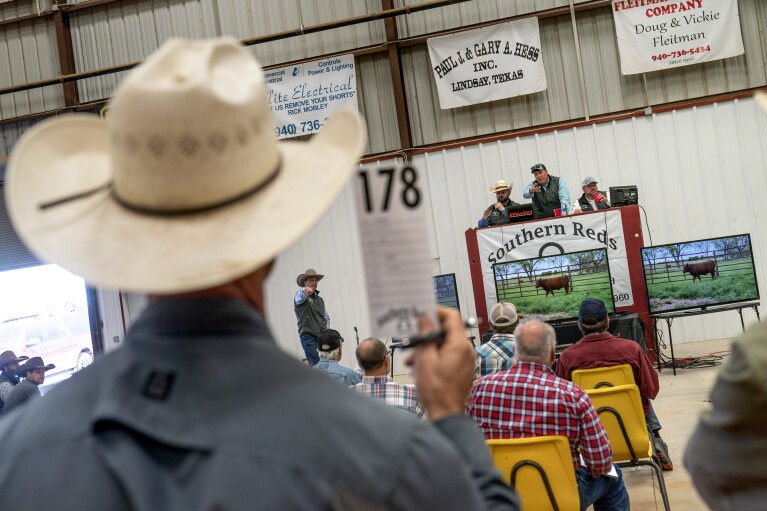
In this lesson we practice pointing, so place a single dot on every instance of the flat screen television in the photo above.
(551, 288)
(700, 274)
(446, 291)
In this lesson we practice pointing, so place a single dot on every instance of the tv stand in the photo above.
(670, 316)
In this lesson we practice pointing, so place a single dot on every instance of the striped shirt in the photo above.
(392, 393)
(529, 400)
(497, 354)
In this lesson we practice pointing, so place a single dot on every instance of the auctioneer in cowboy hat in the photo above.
(308, 273)
(183, 187)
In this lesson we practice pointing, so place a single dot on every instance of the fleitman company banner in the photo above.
(663, 34)
(486, 64)
(515, 242)
(303, 96)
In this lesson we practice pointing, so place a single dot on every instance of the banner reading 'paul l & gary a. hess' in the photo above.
(663, 34)
(486, 64)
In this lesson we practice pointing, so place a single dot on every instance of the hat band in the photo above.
(159, 212)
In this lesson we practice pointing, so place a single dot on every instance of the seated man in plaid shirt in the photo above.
(375, 362)
(529, 400)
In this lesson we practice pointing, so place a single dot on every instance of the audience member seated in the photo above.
(497, 354)
(727, 452)
(375, 362)
(592, 199)
(331, 350)
(529, 400)
(498, 213)
(598, 348)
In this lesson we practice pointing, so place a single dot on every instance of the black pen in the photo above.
(417, 340)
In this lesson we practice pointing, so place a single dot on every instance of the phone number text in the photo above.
(681, 53)
(300, 128)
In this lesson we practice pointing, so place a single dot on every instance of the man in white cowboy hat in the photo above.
(33, 371)
(9, 362)
(498, 212)
(311, 314)
(178, 195)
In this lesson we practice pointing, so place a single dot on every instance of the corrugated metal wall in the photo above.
(607, 89)
(28, 54)
(700, 174)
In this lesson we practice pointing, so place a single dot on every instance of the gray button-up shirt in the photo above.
(201, 410)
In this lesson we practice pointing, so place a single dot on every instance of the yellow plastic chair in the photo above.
(540, 470)
(599, 377)
(621, 413)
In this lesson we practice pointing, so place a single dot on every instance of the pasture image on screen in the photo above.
(552, 287)
(699, 274)
(445, 291)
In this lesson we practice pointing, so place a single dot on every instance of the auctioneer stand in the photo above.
(616, 229)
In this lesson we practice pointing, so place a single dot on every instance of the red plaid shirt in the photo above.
(528, 400)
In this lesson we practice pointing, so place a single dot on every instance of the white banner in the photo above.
(514, 242)
(486, 64)
(663, 34)
(303, 96)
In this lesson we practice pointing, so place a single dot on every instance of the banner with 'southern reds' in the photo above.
(496, 62)
(664, 34)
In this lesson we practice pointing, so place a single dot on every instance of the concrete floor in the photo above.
(679, 402)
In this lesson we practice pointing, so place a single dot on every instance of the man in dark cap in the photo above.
(331, 351)
(599, 348)
(9, 362)
(311, 314)
(33, 371)
(550, 194)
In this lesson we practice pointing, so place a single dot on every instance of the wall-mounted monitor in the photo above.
(446, 291)
(551, 288)
(700, 274)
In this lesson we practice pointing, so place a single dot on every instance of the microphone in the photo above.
(356, 335)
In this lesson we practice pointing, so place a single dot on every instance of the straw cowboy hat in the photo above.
(500, 186)
(184, 186)
(31, 364)
(9, 357)
(308, 273)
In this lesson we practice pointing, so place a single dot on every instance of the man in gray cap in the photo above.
(311, 314)
(592, 199)
(180, 196)
(33, 371)
(9, 362)
(331, 351)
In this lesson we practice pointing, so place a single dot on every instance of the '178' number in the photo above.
(411, 195)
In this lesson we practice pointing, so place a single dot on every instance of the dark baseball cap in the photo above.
(592, 311)
(329, 340)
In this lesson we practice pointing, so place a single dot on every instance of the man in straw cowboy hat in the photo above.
(311, 314)
(33, 372)
(9, 362)
(179, 195)
(498, 212)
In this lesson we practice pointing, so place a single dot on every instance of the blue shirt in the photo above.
(339, 373)
(564, 193)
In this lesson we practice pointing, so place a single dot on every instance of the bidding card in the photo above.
(391, 213)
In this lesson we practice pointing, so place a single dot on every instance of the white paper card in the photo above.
(391, 213)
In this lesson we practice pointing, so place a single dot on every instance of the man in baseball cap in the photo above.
(331, 350)
(9, 362)
(497, 354)
(33, 372)
(592, 199)
(178, 195)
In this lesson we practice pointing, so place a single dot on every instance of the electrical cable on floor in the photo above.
(711, 360)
